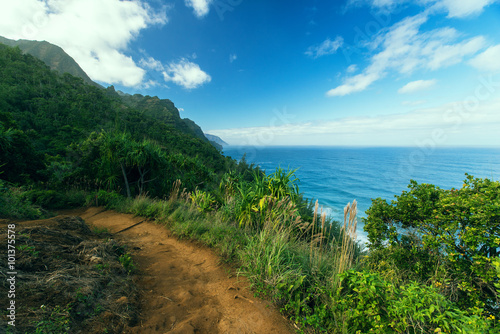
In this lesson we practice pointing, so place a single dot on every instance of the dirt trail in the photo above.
(184, 288)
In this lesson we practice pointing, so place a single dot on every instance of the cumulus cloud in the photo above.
(232, 57)
(404, 49)
(416, 86)
(489, 60)
(200, 7)
(328, 47)
(96, 33)
(186, 74)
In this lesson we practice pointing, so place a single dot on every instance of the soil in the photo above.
(67, 279)
(183, 287)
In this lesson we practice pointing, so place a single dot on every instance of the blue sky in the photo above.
(351, 72)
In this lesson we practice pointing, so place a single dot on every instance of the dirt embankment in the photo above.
(183, 287)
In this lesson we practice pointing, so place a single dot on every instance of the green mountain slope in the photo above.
(162, 110)
(57, 59)
(52, 55)
(47, 123)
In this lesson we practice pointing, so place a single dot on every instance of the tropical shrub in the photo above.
(451, 236)
(367, 303)
(15, 205)
(204, 201)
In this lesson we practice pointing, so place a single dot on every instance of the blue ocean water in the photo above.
(336, 176)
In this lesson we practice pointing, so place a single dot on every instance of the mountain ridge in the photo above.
(52, 55)
(216, 139)
(57, 59)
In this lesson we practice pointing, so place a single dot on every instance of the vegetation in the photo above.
(433, 263)
(448, 239)
(56, 132)
(320, 279)
(70, 279)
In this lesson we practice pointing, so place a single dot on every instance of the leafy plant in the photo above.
(28, 249)
(457, 230)
(127, 262)
(56, 321)
(204, 201)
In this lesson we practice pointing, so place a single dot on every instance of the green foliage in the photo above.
(57, 321)
(30, 250)
(48, 118)
(496, 263)
(19, 161)
(433, 234)
(54, 200)
(280, 266)
(104, 198)
(370, 304)
(14, 205)
(204, 201)
(127, 262)
(266, 198)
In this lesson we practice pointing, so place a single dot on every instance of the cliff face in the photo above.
(216, 139)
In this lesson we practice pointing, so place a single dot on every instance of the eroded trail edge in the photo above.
(183, 287)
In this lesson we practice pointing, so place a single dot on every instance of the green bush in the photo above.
(204, 201)
(433, 234)
(109, 199)
(54, 200)
(370, 304)
(14, 204)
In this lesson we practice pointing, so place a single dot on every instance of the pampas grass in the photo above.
(344, 258)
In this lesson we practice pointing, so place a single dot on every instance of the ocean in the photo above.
(336, 176)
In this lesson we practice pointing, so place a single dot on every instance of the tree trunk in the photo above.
(126, 180)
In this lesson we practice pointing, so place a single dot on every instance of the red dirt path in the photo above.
(184, 288)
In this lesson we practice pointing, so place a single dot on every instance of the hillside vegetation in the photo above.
(433, 262)
(56, 130)
(52, 55)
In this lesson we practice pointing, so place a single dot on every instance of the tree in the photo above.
(19, 161)
(459, 228)
(111, 157)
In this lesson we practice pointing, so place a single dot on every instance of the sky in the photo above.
(351, 72)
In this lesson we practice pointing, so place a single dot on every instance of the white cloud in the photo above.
(404, 49)
(463, 8)
(328, 47)
(454, 8)
(413, 103)
(232, 57)
(186, 74)
(152, 64)
(489, 60)
(386, 3)
(355, 84)
(457, 125)
(96, 33)
(352, 68)
(200, 7)
(416, 86)
(150, 83)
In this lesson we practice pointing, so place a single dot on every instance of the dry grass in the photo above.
(174, 193)
(69, 279)
(345, 256)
